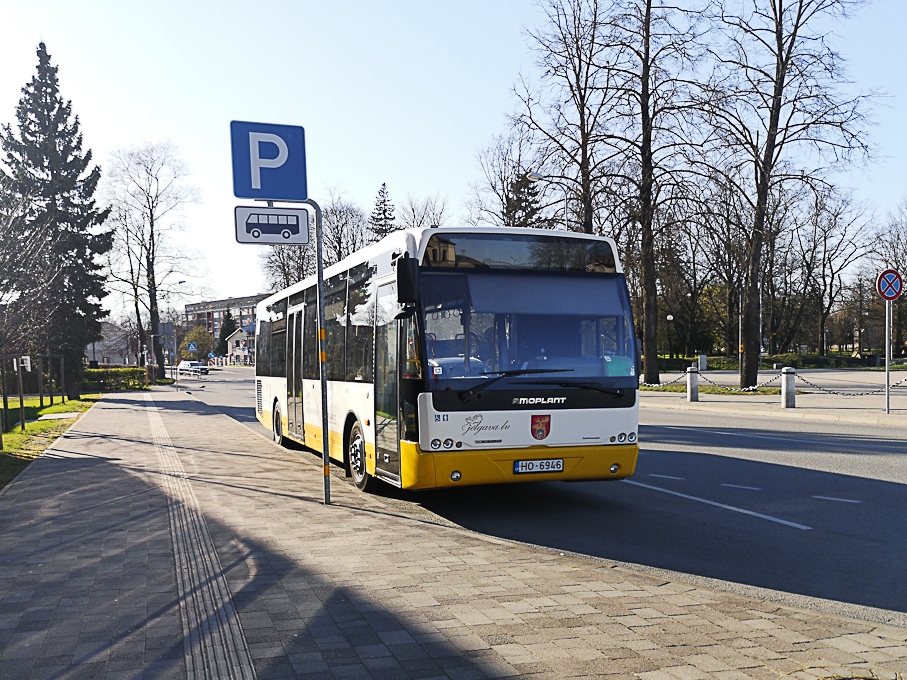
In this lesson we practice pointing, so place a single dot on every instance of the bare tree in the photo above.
(285, 265)
(345, 229)
(147, 190)
(891, 251)
(649, 48)
(506, 197)
(567, 111)
(775, 91)
(836, 236)
(416, 213)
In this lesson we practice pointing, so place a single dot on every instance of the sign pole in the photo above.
(889, 286)
(322, 355)
(887, 356)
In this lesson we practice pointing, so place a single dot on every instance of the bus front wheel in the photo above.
(356, 453)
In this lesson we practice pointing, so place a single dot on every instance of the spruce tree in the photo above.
(48, 171)
(381, 220)
(522, 207)
(227, 328)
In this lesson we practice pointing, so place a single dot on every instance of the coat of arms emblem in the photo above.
(541, 426)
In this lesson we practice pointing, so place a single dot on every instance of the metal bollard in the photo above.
(693, 383)
(788, 387)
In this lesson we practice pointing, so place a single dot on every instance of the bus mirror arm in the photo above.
(638, 356)
(406, 312)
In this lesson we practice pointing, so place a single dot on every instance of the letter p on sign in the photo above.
(268, 161)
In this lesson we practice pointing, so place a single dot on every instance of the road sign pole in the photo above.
(889, 286)
(887, 356)
(322, 355)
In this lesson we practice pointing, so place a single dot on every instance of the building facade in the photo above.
(241, 346)
(210, 315)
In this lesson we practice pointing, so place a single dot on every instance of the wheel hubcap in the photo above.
(357, 459)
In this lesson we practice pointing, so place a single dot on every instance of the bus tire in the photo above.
(277, 427)
(356, 456)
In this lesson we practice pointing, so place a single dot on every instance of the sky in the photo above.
(402, 91)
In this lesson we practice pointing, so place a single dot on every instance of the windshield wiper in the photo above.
(500, 375)
(617, 392)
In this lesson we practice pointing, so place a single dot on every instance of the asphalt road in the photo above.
(808, 509)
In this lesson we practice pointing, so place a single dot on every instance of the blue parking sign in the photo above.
(268, 161)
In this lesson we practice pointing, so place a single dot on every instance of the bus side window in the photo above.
(412, 367)
(262, 349)
(310, 336)
(279, 348)
(360, 322)
(411, 383)
(335, 325)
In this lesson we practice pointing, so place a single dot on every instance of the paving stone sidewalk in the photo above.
(159, 538)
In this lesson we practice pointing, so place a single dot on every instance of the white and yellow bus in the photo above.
(460, 356)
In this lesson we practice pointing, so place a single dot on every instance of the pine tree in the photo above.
(381, 220)
(47, 170)
(522, 207)
(227, 328)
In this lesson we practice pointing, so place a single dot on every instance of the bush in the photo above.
(113, 379)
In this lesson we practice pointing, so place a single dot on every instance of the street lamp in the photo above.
(670, 317)
(538, 177)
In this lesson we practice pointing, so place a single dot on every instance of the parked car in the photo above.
(192, 368)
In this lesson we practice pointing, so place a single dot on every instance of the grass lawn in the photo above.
(21, 448)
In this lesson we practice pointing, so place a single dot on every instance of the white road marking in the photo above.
(721, 505)
(754, 436)
(839, 500)
(667, 477)
(748, 488)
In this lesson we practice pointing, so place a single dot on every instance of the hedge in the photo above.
(113, 379)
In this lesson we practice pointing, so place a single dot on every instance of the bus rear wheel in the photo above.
(277, 428)
(356, 456)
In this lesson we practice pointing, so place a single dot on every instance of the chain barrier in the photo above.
(741, 389)
(848, 394)
(677, 379)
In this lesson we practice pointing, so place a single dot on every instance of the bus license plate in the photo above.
(544, 465)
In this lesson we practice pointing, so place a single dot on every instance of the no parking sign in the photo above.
(889, 285)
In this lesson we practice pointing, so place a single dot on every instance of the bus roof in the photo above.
(414, 241)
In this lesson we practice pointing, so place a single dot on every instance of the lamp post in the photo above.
(539, 177)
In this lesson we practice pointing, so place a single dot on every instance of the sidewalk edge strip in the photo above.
(214, 643)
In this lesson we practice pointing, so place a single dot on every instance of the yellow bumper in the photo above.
(427, 470)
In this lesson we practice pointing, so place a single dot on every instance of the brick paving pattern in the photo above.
(354, 590)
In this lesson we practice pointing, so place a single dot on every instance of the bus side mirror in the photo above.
(639, 358)
(407, 280)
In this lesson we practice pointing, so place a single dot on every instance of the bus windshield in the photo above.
(572, 327)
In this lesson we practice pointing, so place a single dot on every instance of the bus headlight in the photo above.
(448, 443)
(631, 437)
(622, 437)
(436, 443)
(455, 476)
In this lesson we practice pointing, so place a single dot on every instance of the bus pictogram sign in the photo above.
(890, 285)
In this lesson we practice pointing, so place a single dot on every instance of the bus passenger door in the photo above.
(387, 422)
(294, 379)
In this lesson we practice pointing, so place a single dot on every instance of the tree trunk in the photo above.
(154, 313)
(647, 251)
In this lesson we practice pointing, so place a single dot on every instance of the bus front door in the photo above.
(294, 380)
(387, 404)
